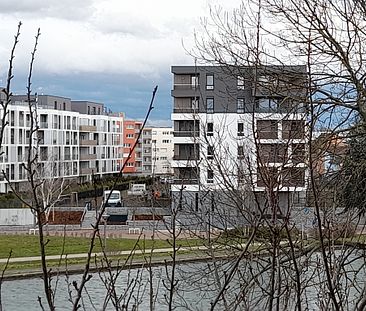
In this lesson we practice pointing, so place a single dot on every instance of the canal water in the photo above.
(196, 287)
(133, 288)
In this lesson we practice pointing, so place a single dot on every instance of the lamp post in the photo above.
(105, 219)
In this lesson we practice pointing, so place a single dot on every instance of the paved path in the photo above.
(84, 255)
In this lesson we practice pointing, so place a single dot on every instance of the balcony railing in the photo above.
(189, 133)
(43, 124)
(185, 110)
(87, 128)
(267, 134)
(87, 142)
(86, 171)
(185, 181)
(185, 157)
(186, 86)
(87, 157)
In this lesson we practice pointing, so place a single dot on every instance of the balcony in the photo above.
(86, 171)
(43, 124)
(189, 133)
(86, 157)
(87, 142)
(185, 157)
(87, 128)
(192, 181)
(185, 89)
(185, 110)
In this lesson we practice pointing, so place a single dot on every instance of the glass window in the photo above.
(240, 151)
(210, 129)
(194, 81)
(194, 103)
(210, 105)
(240, 105)
(240, 129)
(267, 105)
(209, 82)
(210, 176)
(210, 152)
(267, 129)
(240, 83)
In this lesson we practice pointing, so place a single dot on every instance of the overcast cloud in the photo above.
(111, 51)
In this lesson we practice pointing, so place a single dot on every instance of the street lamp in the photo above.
(105, 219)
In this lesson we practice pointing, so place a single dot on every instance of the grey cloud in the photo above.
(63, 9)
(125, 24)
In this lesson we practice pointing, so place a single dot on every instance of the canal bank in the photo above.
(162, 259)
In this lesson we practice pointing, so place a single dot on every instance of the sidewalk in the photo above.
(84, 255)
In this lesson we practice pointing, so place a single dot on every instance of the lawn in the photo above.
(28, 245)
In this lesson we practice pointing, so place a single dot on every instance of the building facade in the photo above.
(238, 130)
(162, 151)
(69, 143)
(138, 160)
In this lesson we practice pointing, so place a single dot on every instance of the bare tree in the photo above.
(326, 39)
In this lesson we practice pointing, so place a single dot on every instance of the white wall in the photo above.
(16, 217)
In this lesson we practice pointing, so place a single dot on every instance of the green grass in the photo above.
(28, 245)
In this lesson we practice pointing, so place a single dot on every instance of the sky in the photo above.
(109, 51)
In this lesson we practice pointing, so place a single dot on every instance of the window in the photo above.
(241, 176)
(166, 141)
(130, 126)
(267, 177)
(55, 104)
(240, 83)
(194, 81)
(240, 129)
(267, 129)
(240, 105)
(130, 136)
(64, 106)
(162, 158)
(267, 104)
(293, 129)
(210, 176)
(21, 118)
(12, 118)
(12, 140)
(293, 177)
(210, 105)
(196, 201)
(127, 145)
(210, 152)
(272, 153)
(130, 164)
(298, 153)
(209, 129)
(209, 82)
(194, 103)
(240, 151)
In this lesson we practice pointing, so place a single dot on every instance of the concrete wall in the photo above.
(16, 217)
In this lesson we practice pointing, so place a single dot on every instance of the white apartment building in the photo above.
(237, 131)
(69, 143)
(162, 150)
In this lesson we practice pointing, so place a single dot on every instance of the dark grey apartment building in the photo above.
(238, 132)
